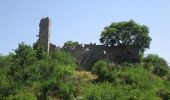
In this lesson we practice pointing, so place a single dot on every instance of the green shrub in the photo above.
(63, 58)
(103, 91)
(101, 68)
(2, 61)
(41, 74)
(21, 62)
(52, 77)
(160, 66)
(160, 71)
(6, 87)
(108, 91)
(71, 44)
(130, 83)
(155, 60)
(48, 76)
(22, 95)
(164, 94)
(169, 77)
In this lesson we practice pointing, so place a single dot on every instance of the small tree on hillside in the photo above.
(70, 44)
(128, 33)
(21, 62)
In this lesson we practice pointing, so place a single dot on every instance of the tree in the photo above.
(21, 62)
(40, 53)
(70, 44)
(127, 33)
(160, 65)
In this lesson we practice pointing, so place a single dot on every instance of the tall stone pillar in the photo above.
(44, 34)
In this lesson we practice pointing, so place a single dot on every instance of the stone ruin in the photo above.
(44, 35)
(88, 54)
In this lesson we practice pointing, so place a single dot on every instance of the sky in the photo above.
(82, 21)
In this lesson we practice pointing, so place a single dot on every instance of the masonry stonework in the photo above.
(44, 34)
(88, 54)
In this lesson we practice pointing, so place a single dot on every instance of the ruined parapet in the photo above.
(88, 54)
(44, 34)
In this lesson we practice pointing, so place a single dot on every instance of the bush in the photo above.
(22, 95)
(20, 64)
(164, 94)
(130, 83)
(2, 61)
(24, 76)
(155, 60)
(48, 77)
(71, 44)
(160, 71)
(103, 91)
(101, 68)
(169, 77)
(42, 74)
(63, 58)
(6, 88)
(108, 91)
(160, 66)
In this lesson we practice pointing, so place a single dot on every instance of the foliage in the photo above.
(128, 33)
(50, 74)
(155, 60)
(22, 95)
(164, 94)
(104, 91)
(70, 44)
(6, 87)
(3, 61)
(21, 63)
(26, 76)
(43, 75)
(40, 52)
(101, 68)
(63, 58)
(128, 82)
(160, 66)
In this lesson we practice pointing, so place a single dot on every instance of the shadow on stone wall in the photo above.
(88, 54)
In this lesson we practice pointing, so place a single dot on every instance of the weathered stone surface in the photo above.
(44, 35)
(90, 53)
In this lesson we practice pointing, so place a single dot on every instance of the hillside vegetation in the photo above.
(31, 74)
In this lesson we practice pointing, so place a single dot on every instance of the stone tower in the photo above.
(44, 34)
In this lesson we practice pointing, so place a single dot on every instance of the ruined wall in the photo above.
(44, 34)
(88, 54)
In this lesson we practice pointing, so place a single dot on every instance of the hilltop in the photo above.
(92, 72)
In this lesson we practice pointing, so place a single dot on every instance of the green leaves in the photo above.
(129, 82)
(101, 68)
(70, 44)
(128, 33)
(33, 70)
(160, 66)
(24, 55)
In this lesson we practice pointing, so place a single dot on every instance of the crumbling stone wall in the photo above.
(88, 54)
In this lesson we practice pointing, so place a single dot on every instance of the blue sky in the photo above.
(81, 20)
